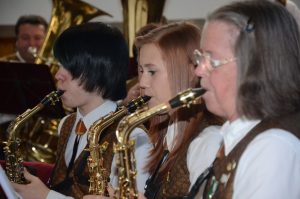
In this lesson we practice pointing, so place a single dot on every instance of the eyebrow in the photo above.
(146, 65)
(206, 51)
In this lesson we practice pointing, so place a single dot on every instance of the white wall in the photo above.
(10, 10)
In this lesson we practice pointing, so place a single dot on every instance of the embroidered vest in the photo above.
(77, 184)
(224, 168)
(176, 183)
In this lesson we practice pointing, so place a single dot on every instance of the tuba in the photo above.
(13, 155)
(125, 147)
(98, 174)
(65, 13)
(137, 13)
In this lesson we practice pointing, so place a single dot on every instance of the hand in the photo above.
(94, 197)
(133, 93)
(36, 189)
(141, 196)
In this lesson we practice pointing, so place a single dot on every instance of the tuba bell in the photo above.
(65, 13)
(137, 13)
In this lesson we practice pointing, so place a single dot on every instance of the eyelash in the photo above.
(151, 72)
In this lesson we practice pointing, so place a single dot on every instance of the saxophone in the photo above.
(13, 156)
(98, 174)
(125, 147)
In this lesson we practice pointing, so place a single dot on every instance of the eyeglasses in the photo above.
(211, 64)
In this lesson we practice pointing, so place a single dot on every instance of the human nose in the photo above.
(143, 81)
(59, 74)
(32, 42)
(201, 70)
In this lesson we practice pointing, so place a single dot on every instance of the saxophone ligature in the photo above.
(98, 174)
(13, 155)
(125, 147)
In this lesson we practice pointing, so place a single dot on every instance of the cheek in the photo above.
(163, 89)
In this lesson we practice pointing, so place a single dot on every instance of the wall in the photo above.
(10, 10)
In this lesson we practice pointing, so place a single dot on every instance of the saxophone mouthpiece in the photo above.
(186, 97)
(52, 98)
(59, 93)
(137, 103)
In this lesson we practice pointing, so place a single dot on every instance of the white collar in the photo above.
(235, 131)
(20, 57)
(102, 110)
(170, 136)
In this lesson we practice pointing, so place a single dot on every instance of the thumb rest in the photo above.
(125, 147)
(13, 155)
(98, 174)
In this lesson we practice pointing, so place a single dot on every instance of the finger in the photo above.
(110, 190)
(26, 174)
(18, 187)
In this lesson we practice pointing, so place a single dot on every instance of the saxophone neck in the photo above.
(19, 121)
(127, 124)
(100, 125)
(51, 98)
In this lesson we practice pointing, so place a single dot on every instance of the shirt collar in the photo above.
(20, 57)
(234, 132)
(101, 111)
(170, 136)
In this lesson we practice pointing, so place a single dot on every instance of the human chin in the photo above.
(211, 104)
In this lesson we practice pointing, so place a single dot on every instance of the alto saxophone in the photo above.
(98, 174)
(13, 156)
(125, 147)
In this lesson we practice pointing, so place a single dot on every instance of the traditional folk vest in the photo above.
(176, 183)
(225, 167)
(77, 184)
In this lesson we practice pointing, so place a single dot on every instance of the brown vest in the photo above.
(176, 183)
(77, 184)
(227, 165)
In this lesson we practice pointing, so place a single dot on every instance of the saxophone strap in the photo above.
(151, 187)
(205, 174)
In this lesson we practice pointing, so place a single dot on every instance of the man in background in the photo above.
(30, 33)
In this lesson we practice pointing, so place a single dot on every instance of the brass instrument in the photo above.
(41, 143)
(98, 174)
(137, 13)
(64, 14)
(13, 155)
(125, 147)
